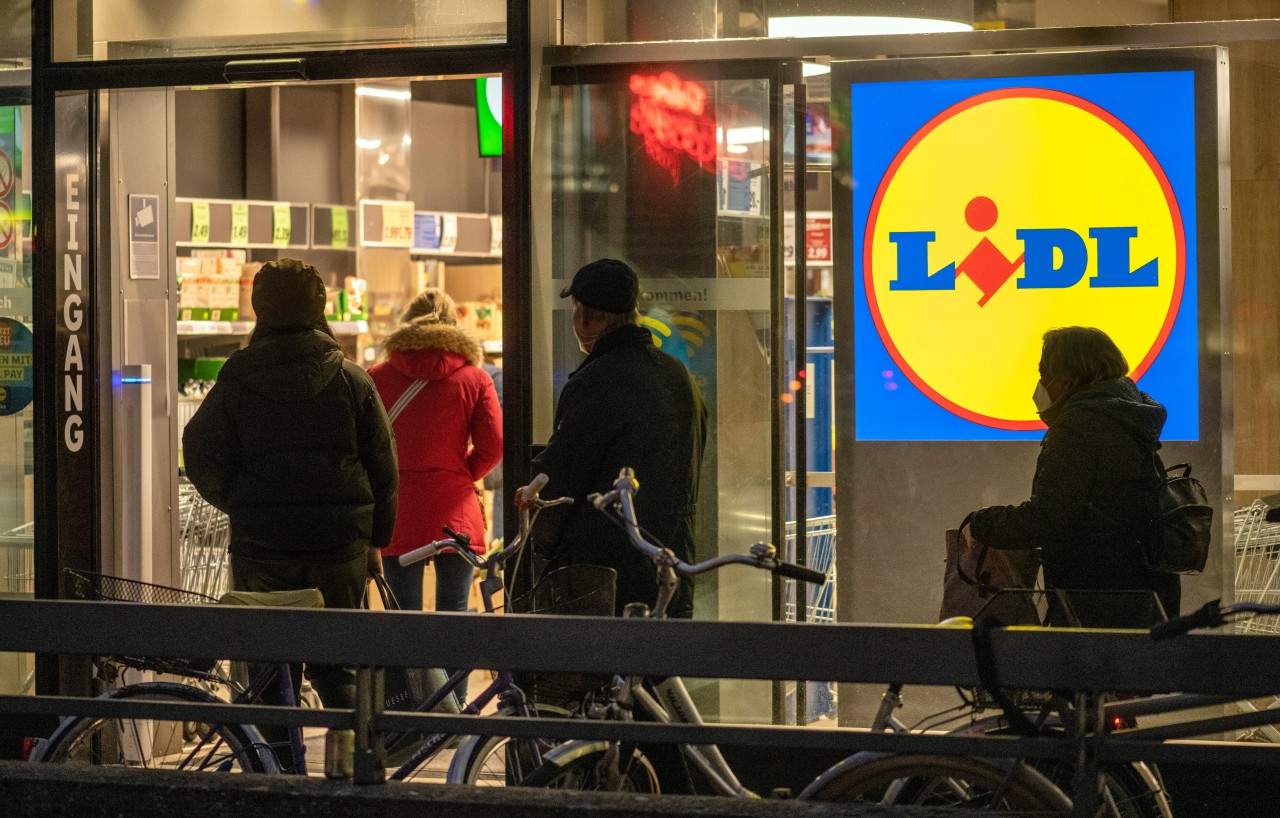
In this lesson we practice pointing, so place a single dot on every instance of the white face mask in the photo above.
(585, 342)
(1041, 397)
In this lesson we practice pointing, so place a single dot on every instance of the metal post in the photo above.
(1086, 780)
(369, 763)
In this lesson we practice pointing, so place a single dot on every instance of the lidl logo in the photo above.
(1014, 208)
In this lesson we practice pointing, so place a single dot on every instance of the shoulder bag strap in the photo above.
(406, 399)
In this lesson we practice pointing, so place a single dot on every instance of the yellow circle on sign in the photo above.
(984, 169)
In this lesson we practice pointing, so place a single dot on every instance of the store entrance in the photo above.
(688, 172)
(385, 186)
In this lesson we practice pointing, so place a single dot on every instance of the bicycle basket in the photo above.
(575, 590)
(88, 585)
(92, 586)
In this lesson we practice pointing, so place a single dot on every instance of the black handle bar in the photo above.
(1209, 615)
(792, 571)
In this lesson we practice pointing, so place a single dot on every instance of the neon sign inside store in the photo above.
(671, 115)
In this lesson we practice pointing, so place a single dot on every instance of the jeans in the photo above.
(453, 588)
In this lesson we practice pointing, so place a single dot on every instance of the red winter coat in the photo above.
(447, 437)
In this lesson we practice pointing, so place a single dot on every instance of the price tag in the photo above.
(818, 239)
(239, 223)
(281, 224)
(338, 220)
(200, 222)
(495, 235)
(448, 232)
(397, 223)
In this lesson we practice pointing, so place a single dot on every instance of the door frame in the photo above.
(69, 513)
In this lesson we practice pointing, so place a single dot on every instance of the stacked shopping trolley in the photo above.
(820, 550)
(203, 536)
(1257, 547)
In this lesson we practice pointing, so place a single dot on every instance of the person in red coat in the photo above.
(448, 436)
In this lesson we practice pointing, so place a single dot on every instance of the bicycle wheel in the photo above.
(153, 744)
(578, 765)
(501, 761)
(939, 781)
(1129, 790)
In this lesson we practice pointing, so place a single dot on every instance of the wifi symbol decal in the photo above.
(679, 335)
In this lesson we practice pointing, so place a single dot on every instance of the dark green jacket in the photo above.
(1093, 495)
(628, 404)
(294, 445)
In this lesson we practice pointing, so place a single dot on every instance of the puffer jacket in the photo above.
(1093, 496)
(448, 437)
(628, 404)
(294, 445)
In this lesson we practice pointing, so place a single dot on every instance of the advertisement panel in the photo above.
(988, 209)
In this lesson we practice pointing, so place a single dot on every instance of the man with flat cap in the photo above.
(293, 443)
(627, 404)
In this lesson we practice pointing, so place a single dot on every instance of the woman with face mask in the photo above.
(1094, 492)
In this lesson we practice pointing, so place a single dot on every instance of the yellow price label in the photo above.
(200, 222)
(282, 224)
(239, 223)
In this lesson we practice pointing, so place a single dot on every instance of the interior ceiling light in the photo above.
(842, 18)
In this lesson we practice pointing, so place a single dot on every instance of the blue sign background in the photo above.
(884, 115)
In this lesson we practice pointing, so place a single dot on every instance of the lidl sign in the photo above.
(986, 211)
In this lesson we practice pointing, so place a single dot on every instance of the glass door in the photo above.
(680, 170)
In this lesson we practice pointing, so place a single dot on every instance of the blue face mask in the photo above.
(1041, 397)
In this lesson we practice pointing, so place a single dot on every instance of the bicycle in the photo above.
(620, 766)
(1127, 790)
(485, 760)
(241, 747)
(152, 743)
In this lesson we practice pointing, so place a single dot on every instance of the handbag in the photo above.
(407, 687)
(984, 583)
(1178, 540)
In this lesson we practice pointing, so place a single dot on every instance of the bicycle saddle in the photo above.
(303, 598)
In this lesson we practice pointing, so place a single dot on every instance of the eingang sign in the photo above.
(986, 210)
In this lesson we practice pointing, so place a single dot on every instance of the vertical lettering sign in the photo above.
(73, 391)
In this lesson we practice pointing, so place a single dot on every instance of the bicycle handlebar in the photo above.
(620, 502)
(1210, 615)
(461, 543)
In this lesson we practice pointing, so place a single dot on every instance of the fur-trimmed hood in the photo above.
(430, 350)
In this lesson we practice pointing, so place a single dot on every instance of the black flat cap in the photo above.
(607, 285)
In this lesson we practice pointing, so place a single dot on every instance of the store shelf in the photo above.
(428, 253)
(205, 328)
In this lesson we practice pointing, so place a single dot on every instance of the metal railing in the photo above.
(1086, 662)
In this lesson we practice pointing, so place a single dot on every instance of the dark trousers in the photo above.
(342, 584)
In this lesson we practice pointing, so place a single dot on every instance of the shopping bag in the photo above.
(408, 687)
(985, 583)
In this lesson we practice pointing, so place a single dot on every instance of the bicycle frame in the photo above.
(673, 704)
(502, 688)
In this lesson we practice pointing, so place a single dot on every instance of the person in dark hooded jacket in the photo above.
(293, 444)
(1095, 490)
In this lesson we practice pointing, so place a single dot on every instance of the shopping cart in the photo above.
(1257, 547)
(203, 536)
(17, 562)
(17, 581)
(820, 542)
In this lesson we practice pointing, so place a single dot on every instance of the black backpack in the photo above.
(1178, 540)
